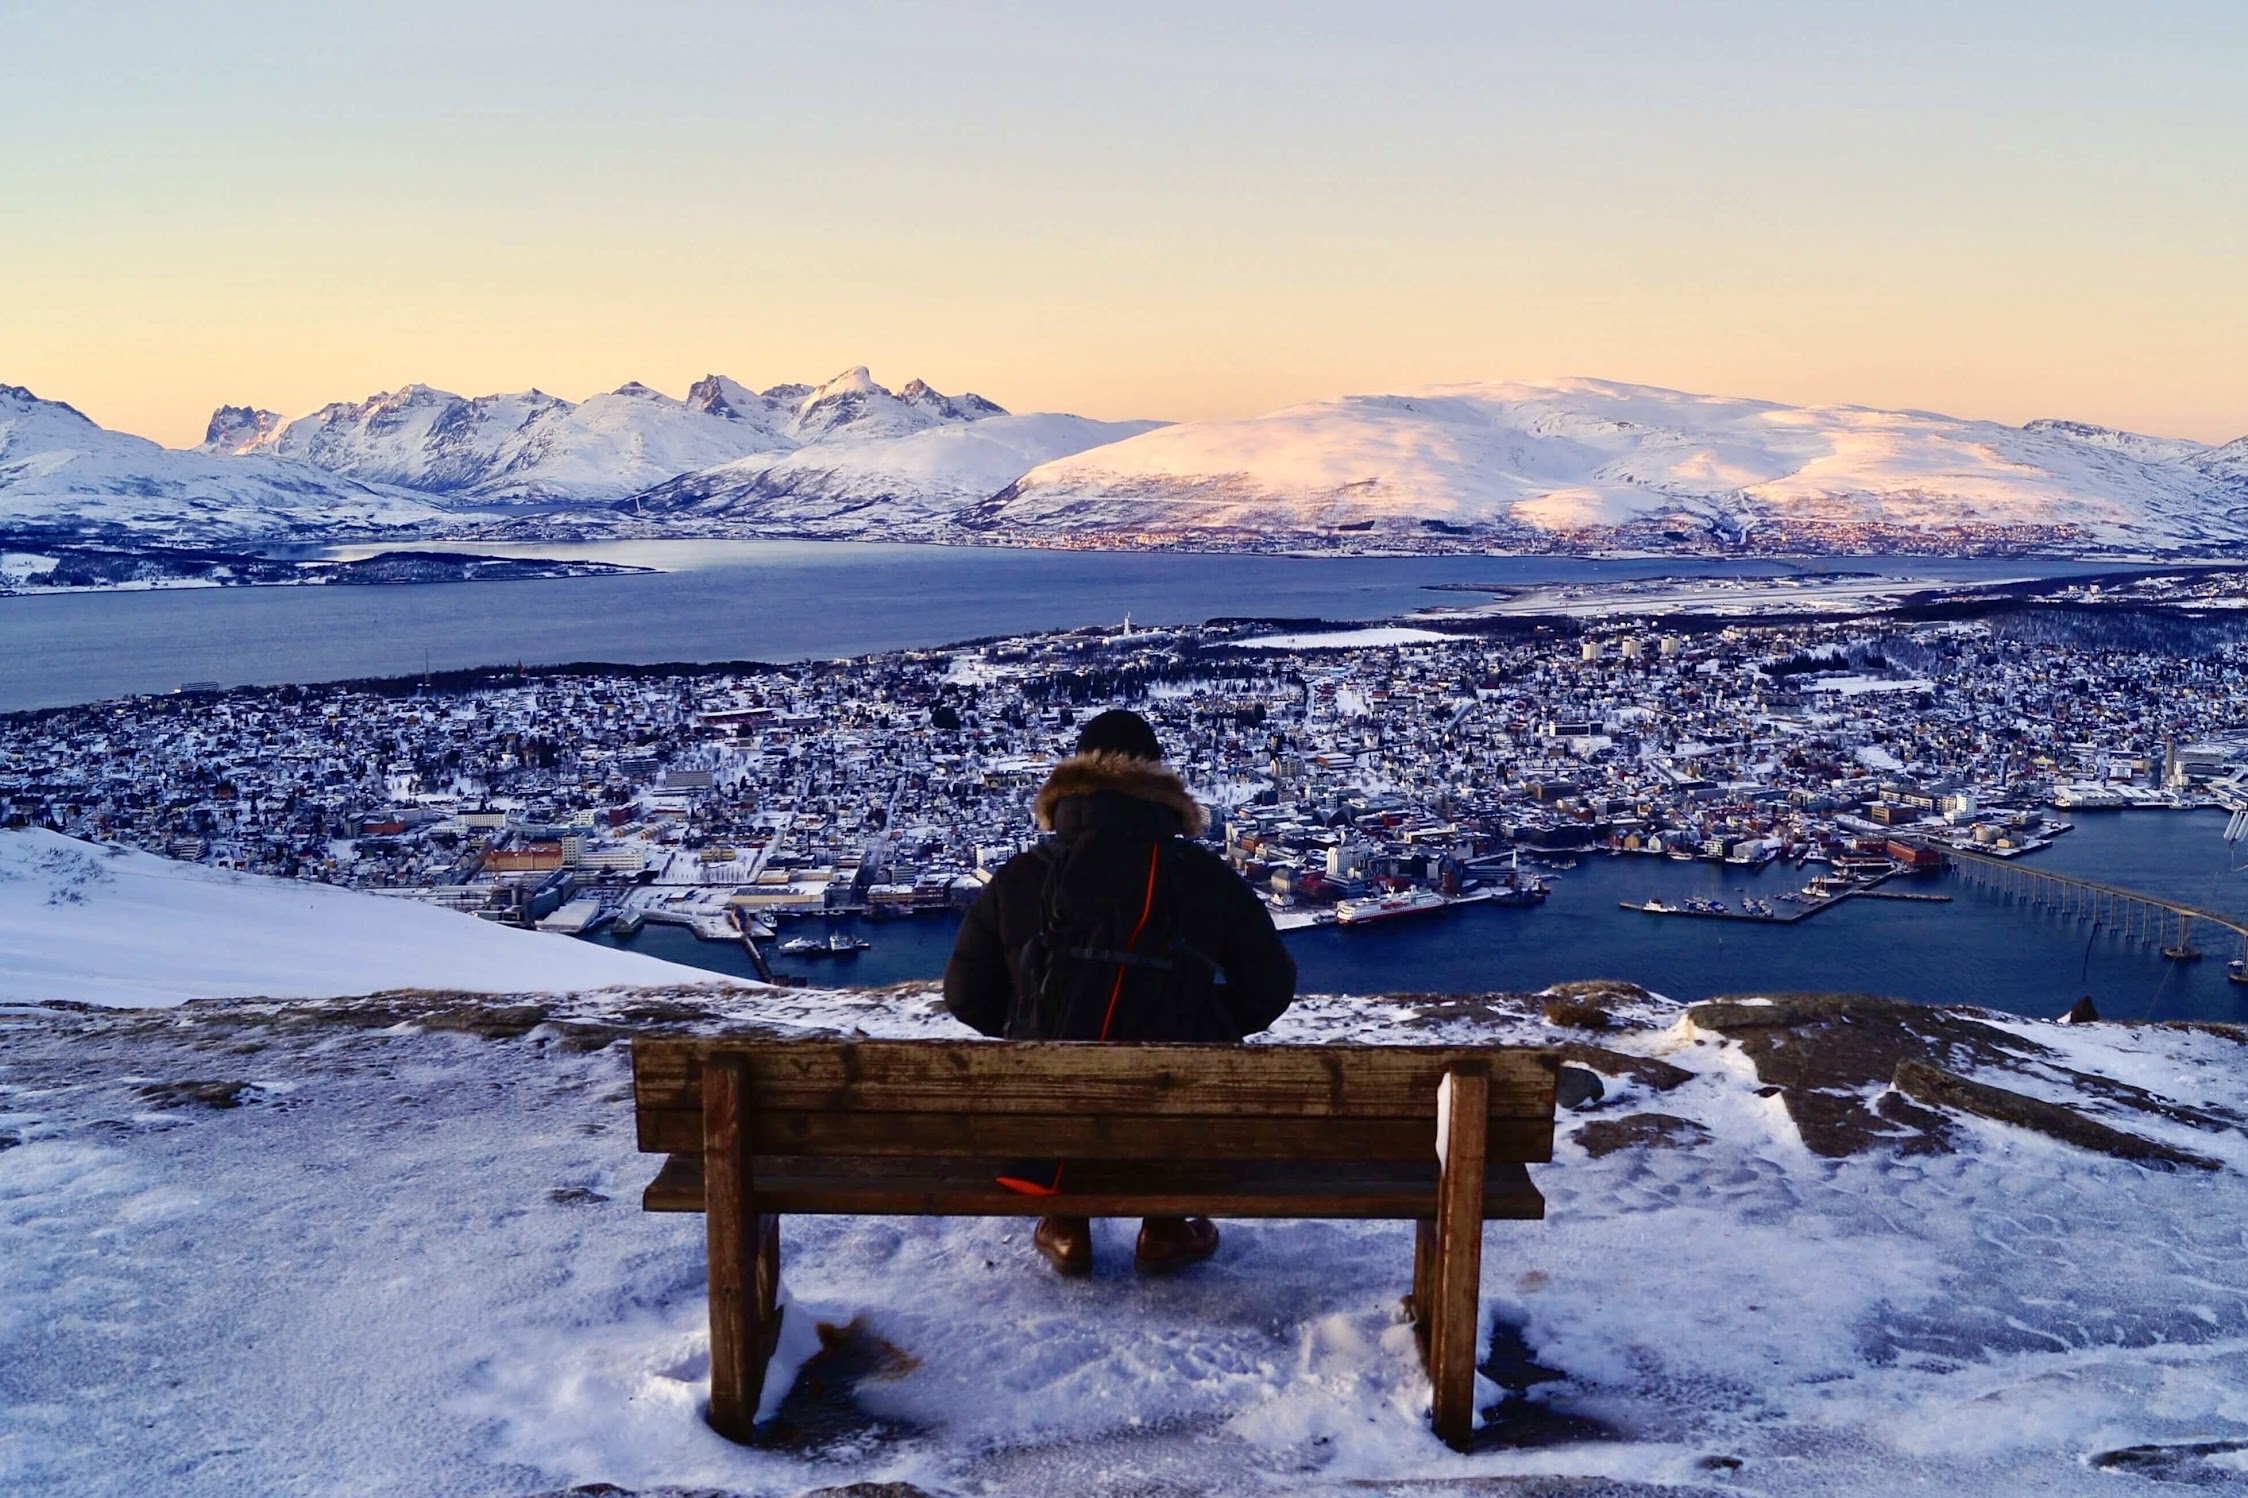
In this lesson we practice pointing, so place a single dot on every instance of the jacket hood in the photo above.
(1106, 770)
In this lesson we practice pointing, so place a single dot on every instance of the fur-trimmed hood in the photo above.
(1106, 770)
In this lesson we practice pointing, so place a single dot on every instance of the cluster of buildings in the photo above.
(1370, 765)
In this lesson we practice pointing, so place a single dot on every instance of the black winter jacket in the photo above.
(1109, 812)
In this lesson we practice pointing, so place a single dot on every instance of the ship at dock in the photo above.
(1390, 906)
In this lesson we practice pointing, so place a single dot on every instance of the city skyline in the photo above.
(2000, 214)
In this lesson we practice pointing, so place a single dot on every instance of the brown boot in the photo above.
(1067, 1243)
(1169, 1243)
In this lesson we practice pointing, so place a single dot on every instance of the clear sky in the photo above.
(2001, 208)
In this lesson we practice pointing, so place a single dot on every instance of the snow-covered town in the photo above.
(1348, 768)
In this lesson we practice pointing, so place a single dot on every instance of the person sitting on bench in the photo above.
(1117, 928)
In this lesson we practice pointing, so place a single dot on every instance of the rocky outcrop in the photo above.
(1939, 1088)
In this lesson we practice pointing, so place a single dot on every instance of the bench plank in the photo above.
(1094, 1136)
(908, 1076)
(964, 1188)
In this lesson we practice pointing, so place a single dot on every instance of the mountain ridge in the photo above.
(1500, 466)
(1595, 463)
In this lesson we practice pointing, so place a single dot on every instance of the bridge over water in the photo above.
(2132, 914)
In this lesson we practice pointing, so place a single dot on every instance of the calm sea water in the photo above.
(1975, 950)
(743, 600)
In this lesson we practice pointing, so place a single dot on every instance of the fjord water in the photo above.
(1976, 949)
(752, 600)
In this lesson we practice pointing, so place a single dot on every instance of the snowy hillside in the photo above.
(103, 925)
(60, 473)
(206, 1212)
(876, 488)
(1591, 462)
(538, 447)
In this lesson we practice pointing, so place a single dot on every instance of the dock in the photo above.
(1797, 911)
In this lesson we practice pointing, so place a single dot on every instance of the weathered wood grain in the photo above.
(1455, 1316)
(883, 1076)
(956, 1188)
(1080, 1136)
(744, 1249)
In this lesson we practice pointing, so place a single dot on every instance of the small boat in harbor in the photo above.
(627, 924)
(836, 944)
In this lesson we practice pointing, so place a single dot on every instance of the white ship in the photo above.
(1383, 907)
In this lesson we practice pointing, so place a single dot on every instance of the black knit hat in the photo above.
(1119, 732)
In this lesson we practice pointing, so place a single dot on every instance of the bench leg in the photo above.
(1454, 1303)
(745, 1256)
(1424, 1283)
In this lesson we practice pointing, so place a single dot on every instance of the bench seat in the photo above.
(1099, 1188)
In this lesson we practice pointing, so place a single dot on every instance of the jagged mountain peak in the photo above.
(854, 406)
(239, 429)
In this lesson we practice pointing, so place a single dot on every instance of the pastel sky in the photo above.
(2000, 208)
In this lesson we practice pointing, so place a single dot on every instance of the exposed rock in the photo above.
(208, 1094)
(2081, 1012)
(494, 1022)
(1647, 1071)
(2216, 1120)
(575, 1196)
(9, 1141)
(2187, 1463)
(1577, 1014)
(1604, 1136)
(611, 1490)
(2237, 1034)
(1540, 1485)
(870, 1490)
(1578, 1088)
(1598, 988)
(1828, 1054)
(822, 1410)
(1522, 1419)
(1432, 1009)
(1932, 1084)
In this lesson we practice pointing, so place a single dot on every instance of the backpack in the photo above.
(1109, 960)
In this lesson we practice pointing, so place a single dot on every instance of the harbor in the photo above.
(1822, 893)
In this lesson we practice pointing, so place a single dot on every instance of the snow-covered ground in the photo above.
(107, 925)
(411, 1260)
(1349, 639)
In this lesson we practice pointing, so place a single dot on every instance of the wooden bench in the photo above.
(759, 1128)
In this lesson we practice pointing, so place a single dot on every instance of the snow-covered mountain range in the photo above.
(63, 475)
(1553, 465)
(1591, 462)
(538, 447)
(889, 488)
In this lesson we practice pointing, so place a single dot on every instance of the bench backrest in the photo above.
(815, 1096)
